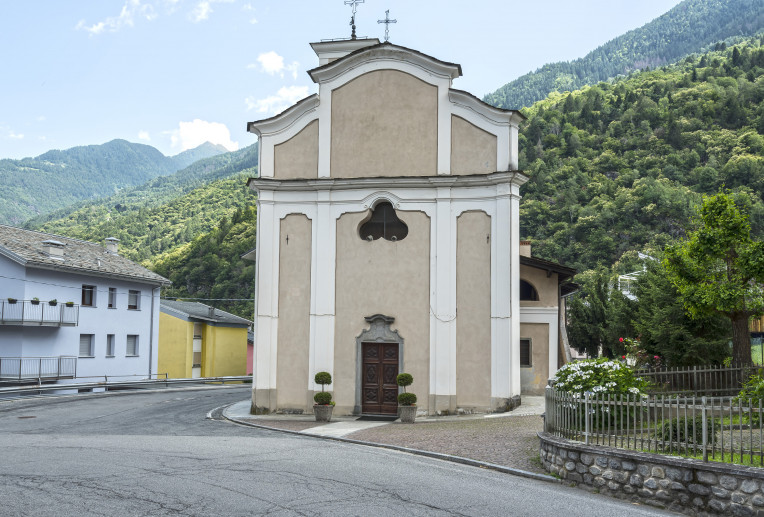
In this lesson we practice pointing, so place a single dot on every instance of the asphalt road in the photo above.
(156, 454)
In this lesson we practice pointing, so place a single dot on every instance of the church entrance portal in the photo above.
(380, 370)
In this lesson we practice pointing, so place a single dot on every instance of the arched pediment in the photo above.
(386, 52)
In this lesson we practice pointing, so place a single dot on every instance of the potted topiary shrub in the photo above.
(406, 401)
(323, 406)
(35, 301)
(53, 302)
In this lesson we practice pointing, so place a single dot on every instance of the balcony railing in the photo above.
(43, 368)
(39, 313)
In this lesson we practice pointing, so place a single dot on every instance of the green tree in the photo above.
(665, 329)
(719, 268)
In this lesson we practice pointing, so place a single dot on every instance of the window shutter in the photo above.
(86, 341)
(132, 345)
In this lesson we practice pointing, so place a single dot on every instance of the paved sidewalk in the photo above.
(505, 439)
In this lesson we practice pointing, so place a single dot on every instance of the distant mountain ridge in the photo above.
(164, 213)
(690, 27)
(58, 178)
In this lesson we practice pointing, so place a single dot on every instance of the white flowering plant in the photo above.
(608, 382)
(601, 377)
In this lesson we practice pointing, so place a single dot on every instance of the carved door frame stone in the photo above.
(379, 331)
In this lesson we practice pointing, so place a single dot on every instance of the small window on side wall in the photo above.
(88, 295)
(134, 300)
(528, 293)
(525, 353)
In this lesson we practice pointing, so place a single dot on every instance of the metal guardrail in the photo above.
(107, 385)
(39, 313)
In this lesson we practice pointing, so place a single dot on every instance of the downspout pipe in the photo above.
(151, 330)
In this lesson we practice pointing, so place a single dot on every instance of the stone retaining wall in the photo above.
(682, 485)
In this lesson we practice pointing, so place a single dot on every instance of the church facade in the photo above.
(388, 240)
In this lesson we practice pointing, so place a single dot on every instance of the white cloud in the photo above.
(144, 135)
(200, 12)
(271, 63)
(285, 97)
(131, 10)
(203, 9)
(41, 118)
(193, 134)
(248, 8)
(15, 136)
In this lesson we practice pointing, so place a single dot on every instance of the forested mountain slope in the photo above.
(617, 167)
(211, 267)
(56, 179)
(689, 27)
(166, 212)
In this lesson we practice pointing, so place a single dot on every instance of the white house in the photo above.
(74, 308)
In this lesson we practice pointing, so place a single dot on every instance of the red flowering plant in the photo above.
(637, 356)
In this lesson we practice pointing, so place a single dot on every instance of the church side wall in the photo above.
(382, 277)
(473, 309)
(384, 123)
(297, 158)
(473, 150)
(534, 378)
(545, 285)
(294, 313)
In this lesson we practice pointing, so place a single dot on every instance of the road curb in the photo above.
(429, 454)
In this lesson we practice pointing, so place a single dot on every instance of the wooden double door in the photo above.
(379, 389)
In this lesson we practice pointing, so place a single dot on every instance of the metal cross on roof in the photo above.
(354, 5)
(387, 21)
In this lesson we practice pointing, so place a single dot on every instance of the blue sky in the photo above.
(175, 73)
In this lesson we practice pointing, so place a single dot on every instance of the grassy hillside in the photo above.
(689, 27)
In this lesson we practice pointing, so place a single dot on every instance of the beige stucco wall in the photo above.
(294, 313)
(384, 123)
(546, 286)
(382, 277)
(533, 380)
(473, 309)
(473, 150)
(297, 158)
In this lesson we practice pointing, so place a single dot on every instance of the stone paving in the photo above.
(507, 439)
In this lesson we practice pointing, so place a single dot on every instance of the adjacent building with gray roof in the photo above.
(71, 308)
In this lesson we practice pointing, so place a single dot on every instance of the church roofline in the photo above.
(284, 119)
(316, 184)
(386, 49)
(484, 108)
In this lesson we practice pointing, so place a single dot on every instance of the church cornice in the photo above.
(492, 113)
(285, 119)
(323, 184)
(384, 52)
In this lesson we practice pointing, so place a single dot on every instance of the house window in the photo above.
(134, 300)
(383, 223)
(110, 345)
(528, 293)
(86, 345)
(132, 346)
(525, 353)
(88, 295)
(112, 297)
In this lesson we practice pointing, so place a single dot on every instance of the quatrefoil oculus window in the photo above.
(383, 223)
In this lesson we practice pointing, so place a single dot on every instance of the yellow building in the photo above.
(196, 340)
